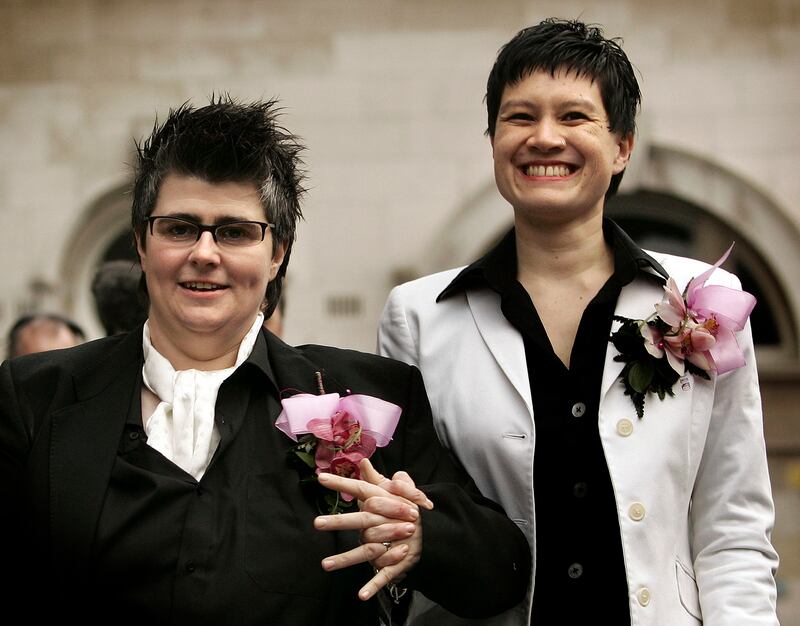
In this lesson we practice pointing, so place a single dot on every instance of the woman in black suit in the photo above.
(145, 476)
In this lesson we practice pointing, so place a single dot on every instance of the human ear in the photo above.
(624, 150)
(278, 254)
(140, 250)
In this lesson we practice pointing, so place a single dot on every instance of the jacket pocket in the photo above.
(687, 590)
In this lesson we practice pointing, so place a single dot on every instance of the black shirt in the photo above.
(580, 570)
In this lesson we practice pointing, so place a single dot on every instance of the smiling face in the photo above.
(204, 291)
(553, 152)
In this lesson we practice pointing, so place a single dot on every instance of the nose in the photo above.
(546, 136)
(205, 250)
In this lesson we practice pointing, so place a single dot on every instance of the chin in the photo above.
(206, 321)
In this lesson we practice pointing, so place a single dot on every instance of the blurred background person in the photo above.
(119, 305)
(274, 323)
(39, 332)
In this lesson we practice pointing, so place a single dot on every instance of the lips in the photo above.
(548, 170)
(202, 286)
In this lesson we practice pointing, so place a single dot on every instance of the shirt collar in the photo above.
(497, 269)
(259, 359)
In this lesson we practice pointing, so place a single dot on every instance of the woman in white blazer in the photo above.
(689, 479)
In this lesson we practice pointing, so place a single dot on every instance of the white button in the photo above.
(636, 511)
(643, 596)
(578, 409)
(624, 427)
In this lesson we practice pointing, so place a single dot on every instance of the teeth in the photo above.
(547, 170)
(202, 286)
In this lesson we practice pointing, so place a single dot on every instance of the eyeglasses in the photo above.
(183, 232)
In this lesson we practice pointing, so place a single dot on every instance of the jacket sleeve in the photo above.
(395, 339)
(732, 511)
(475, 561)
(15, 440)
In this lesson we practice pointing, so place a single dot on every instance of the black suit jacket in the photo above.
(61, 418)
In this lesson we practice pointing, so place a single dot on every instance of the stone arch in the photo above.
(102, 227)
(747, 210)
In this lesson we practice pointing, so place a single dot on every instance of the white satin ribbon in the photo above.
(182, 427)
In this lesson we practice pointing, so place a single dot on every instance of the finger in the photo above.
(390, 557)
(397, 508)
(357, 488)
(362, 554)
(370, 474)
(404, 476)
(403, 486)
(387, 532)
(380, 580)
(350, 521)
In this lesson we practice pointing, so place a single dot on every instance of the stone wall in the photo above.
(387, 95)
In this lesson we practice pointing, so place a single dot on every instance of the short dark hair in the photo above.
(570, 45)
(12, 341)
(226, 141)
(117, 300)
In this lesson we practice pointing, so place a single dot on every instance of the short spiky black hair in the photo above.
(570, 45)
(226, 141)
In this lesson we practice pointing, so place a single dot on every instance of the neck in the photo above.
(190, 350)
(559, 252)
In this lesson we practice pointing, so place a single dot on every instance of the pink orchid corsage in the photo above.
(334, 434)
(694, 330)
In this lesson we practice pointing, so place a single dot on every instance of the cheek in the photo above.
(161, 264)
(503, 142)
(501, 154)
(256, 272)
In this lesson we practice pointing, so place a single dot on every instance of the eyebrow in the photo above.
(567, 104)
(193, 217)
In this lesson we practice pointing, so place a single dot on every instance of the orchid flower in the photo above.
(347, 429)
(702, 324)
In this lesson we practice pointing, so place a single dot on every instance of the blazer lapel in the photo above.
(294, 372)
(84, 439)
(636, 301)
(502, 339)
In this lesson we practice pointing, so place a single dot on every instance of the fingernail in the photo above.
(410, 528)
(414, 513)
(364, 594)
(328, 563)
(403, 548)
(320, 522)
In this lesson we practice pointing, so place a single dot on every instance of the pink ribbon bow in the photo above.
(703, 325)
(348, 429)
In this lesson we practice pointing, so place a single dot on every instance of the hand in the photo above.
(400, 485)
(389, 513)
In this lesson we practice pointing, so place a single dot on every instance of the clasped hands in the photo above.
(389, 521)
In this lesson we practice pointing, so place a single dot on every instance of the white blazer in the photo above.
(693, 495)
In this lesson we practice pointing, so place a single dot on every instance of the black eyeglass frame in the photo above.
(210, 228)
